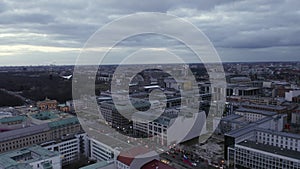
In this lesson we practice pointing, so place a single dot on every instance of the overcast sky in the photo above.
(53, 32)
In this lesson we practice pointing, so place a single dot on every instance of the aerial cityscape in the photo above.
(150, 85)
(259, 125)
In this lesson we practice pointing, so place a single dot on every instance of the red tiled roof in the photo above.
(154, 164)
(126, 157)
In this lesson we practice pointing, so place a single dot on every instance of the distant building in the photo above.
(33, 157)
(63, 107)
(296, 99)
(295, 120)
(15, 122)
(291, 94)
(47, 104)
(253, 115)
(273, 108)
(239, 79)
(70, 104)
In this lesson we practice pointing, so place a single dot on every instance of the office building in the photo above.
(32, 157)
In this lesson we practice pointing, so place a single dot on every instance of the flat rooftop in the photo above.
(97, 165)
(271, 149)
(275, 107)
(255, 111)
(12, 119)
(23, 132)
(22, 157)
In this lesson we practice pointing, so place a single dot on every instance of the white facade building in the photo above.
(289, 95)
(101, 152)
(170, 128)
(258, 146)
(70, 149)
(252, 115)
(254, 155)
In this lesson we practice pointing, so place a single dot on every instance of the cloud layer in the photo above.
(43, 32)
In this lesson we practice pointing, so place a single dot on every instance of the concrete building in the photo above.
(263, 145)
(101, 152)
(71, 148)
(291, 94)
(272, 108)
(117, 120)
(166, 130)
(14, 122)
(295, 120)
(274, 123)
(253, 115)
(59, 133)
(249, 154)
(33, 157)
(231, 122)
(242, 90)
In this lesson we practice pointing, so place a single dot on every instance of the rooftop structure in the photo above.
(100, 165)
(135, 157)
(44, 115)
(156, 164)
(30, 157)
